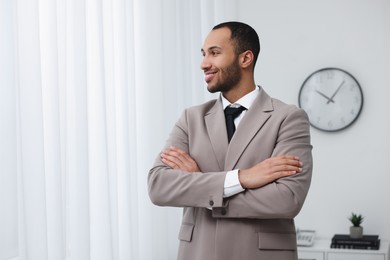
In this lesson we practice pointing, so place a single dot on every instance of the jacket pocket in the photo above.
(185, 233)
(277, 241)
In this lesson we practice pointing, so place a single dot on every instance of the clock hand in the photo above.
(337, 90)
(325, 96)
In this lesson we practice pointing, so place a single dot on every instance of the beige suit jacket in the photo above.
(257, 223)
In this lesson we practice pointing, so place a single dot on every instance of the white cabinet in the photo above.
(321, 251)
(355, 256)
(311, 255)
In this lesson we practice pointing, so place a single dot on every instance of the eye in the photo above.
(214, 53)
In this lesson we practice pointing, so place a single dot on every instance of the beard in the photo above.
(229, 78)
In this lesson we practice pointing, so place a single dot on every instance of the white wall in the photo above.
(351, 167)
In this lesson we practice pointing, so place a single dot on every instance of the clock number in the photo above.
(329, 74)
(305, 99)
(318, 79)
(357, 100)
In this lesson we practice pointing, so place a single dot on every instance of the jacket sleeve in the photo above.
(176, 188)
(284, 197)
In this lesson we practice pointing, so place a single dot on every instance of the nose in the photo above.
(205, 64)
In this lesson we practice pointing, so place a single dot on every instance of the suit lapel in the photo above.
(216, 129)
(250, 124)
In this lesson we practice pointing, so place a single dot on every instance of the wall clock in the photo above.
(332, 98)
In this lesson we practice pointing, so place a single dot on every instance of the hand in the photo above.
(325, 96)
(269, 170)
(179, 159)
(334, 94)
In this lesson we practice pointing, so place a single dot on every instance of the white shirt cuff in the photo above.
(232, 184)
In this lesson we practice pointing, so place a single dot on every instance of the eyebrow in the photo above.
(211, 48)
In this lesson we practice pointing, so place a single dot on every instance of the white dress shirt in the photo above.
(232, 184)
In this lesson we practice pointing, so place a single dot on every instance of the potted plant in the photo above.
(356, 230)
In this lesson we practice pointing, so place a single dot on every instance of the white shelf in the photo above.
(321, 251)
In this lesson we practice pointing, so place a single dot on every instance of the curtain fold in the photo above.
(92, 91)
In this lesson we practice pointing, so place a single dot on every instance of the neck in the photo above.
(239, 91)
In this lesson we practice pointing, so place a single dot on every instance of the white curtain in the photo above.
(89, 90)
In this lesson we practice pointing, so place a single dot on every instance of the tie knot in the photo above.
(234, 111)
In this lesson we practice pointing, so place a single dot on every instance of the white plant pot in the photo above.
(356, 232)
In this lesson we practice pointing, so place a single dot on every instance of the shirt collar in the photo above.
(245, 101)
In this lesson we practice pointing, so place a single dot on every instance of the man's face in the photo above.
(220, 64)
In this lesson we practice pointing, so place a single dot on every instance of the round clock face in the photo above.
(332, 98)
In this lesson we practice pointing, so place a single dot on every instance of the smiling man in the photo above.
(240, 165)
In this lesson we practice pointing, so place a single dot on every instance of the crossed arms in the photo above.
(257, 176)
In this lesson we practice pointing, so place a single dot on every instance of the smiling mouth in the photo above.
(209, 75)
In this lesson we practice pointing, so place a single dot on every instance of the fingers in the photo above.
(179, 159)
(284, 166)
(269, 171)
(174, 156)
(284, 163)
(180, 154)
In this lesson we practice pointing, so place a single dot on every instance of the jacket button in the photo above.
(211, 203)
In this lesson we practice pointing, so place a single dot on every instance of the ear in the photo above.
(246, 59)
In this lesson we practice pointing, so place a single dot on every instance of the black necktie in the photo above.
(230, 114)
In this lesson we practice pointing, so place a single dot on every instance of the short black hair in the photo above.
(244, 38)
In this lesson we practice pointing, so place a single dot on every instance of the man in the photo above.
(241, 191)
